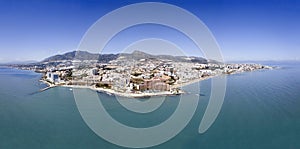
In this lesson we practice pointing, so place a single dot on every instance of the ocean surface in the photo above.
(261, 110)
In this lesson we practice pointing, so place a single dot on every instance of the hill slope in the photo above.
(105, 58)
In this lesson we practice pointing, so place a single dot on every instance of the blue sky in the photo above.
(245, 30)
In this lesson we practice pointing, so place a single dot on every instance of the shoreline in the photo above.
(131, 95)
(140, 95)
(113, 92)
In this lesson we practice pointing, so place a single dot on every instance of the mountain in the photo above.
(105, 58)
(142, 55)
(82, 55)
(19, 62)
(78, 55)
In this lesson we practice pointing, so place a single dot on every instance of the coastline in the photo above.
(140, 95)
(131, 95)
(113, 92)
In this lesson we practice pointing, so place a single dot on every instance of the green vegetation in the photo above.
(103, 85)
(137, 80)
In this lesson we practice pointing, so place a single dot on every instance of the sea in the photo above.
(261, 110)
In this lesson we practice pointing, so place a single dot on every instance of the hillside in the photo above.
(105, 58)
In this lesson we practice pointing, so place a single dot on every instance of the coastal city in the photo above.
(138, 76)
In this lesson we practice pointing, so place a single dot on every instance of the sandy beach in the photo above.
(131, 95)
(137, 95)
(113, 92)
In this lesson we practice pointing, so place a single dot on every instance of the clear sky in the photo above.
(245, 30)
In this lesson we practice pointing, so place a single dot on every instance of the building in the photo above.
(95, 71)
(53, 77)
(154, 84)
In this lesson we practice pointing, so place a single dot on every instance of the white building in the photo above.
(53, 77)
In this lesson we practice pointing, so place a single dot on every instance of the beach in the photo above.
(137, 95)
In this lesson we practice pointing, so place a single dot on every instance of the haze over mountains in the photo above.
(105, 58)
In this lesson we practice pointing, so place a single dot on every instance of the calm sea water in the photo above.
(261, 110)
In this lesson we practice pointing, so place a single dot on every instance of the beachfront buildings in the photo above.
(53, 77)
(141, 76)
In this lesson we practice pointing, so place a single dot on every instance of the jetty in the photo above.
(46, 88)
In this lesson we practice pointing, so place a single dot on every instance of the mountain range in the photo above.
(105, 58)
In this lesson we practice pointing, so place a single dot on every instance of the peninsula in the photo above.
(136, 74)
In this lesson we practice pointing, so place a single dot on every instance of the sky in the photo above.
(244, 29)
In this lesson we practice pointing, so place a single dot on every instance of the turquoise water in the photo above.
(261, 110)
